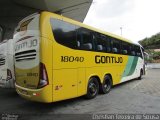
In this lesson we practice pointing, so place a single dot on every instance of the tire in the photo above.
(93, 88)
(140, 76)
(106, 85)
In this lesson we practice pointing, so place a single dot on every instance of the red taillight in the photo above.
(9, 74)
(43, 81)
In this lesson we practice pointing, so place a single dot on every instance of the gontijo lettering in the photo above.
(108, 59)
(26, 44)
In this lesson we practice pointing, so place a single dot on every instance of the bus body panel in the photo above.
(10, 61)
(88, 67)
(132, 68)
(7, 76)
(61, 61)
(65, 84)
(81, 81)
(3, 64)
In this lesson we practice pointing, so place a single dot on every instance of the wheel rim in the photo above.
(107, 85)
(92, 89)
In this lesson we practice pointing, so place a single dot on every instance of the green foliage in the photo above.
(154, 56)
(151, 43)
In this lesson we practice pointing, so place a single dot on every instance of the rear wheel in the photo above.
(93, 88)
(106, 85)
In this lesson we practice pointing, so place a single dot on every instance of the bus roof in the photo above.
(86, 26)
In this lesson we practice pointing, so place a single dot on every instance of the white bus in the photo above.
(7, 77)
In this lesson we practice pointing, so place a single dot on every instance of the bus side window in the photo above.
(64, 33)
(131, 50)
(78, 44)
(115, 46)
(138, 51)
(85, 38)
(99, 47)
(125, 52)
(79, 38)
(126, 48)
(114, 50)
(103, 43)
(108, 44)
(133, 53)
(87, 46)
(100, 42)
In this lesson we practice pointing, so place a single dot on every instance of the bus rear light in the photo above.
(43, 81)
(36, 94)
(9, 74)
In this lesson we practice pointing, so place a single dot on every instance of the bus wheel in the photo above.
(106, 85)
(93, 88)
(140, 76)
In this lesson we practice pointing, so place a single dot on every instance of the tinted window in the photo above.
(138, 51)
(64, 33)
(116, 46)
(85, 39)
(126, 48)
(77, 37)
(102, 43)
(132, 49)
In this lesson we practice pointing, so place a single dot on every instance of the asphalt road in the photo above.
(133, 97)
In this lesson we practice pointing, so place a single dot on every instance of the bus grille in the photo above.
(2, 61)
(25, 55)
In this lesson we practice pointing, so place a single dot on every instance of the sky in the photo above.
(136, 19)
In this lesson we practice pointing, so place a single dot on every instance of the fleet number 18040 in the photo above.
(71, 59)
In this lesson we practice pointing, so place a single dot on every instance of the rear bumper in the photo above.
(39, 95)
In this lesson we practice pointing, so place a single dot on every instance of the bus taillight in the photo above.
(43, 81)
(9, 74)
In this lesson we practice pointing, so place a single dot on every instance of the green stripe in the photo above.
(131, 65)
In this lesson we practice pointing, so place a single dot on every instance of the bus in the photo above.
(57, 58)
(7, 78)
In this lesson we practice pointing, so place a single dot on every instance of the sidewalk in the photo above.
(153, 65)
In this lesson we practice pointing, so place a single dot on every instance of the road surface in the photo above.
(133, 97)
